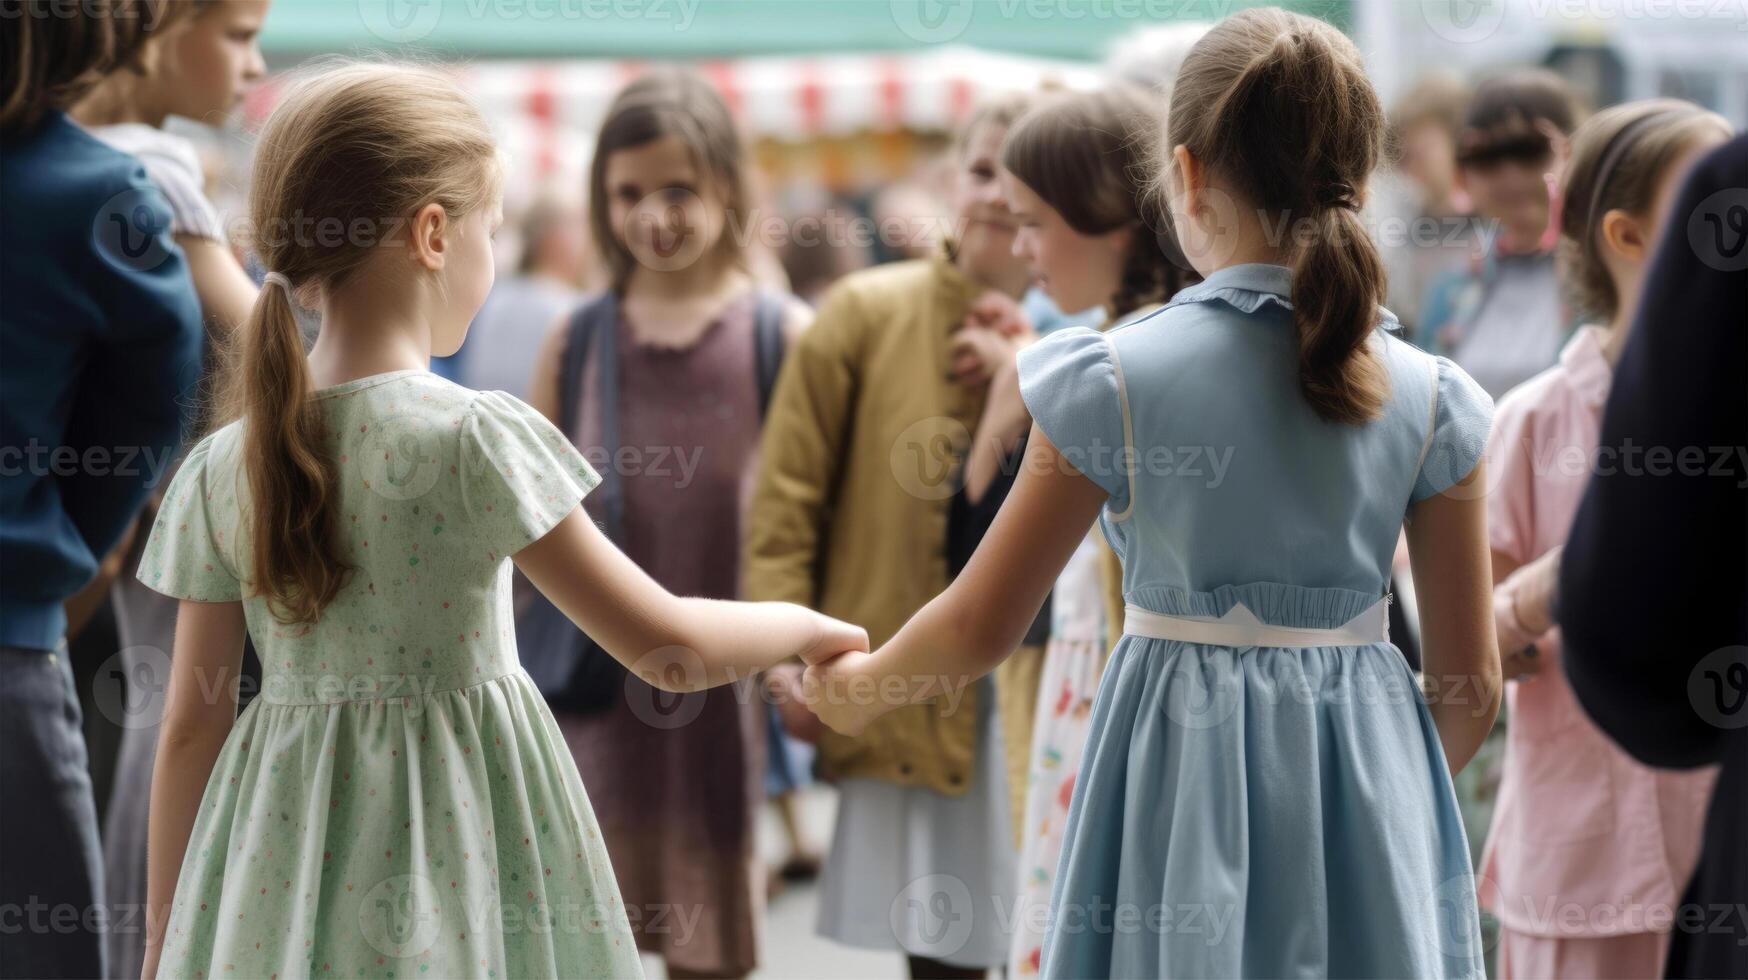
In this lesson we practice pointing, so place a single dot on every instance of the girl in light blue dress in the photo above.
(1266, 789)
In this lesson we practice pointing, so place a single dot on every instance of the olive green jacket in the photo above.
(860, 458)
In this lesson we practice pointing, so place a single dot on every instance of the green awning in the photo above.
(701, 29)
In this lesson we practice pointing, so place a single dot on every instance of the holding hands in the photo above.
(842, 693)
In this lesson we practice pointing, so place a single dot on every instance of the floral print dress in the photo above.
(397, 800)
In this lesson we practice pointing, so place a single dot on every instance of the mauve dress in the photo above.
(676, 780)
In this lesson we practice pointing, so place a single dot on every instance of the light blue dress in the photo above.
(1256, 811)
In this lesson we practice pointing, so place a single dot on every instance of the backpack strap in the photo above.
(594, 330)
(768, 346)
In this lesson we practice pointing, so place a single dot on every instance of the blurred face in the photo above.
(1506, 178)
(1077, 271)
(468, 272)
(1429, 158)
(212, 60)
(662, 208)
(980, 211)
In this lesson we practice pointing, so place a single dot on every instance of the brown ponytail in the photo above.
(1279, 105)
(350, 153)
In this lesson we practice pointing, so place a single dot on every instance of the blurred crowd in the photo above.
(647, 308)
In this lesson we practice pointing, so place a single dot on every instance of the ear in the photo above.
(1190, 176)
(428, 236)
(1624, 235)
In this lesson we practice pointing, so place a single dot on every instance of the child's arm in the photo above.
(675, 643)
(1453, 576)
(970, 628)
(1005, 421)
(200, 706)
(1523, 609)
(226, 292)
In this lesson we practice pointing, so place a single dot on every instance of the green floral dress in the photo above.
(397, 801)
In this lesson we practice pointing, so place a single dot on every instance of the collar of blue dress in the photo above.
(1252, 285)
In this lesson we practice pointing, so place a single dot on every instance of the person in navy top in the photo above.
(100, 346)
(1653, 577)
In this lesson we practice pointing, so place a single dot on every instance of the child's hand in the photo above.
(977, 353)
(783, 684)
(832, 637)
(1521, 664)
(998, 311)
(841, 694)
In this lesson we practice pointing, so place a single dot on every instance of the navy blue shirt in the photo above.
(100, 349)
(1654, 581)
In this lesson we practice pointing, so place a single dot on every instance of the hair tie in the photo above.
(1336, 194)
(276, 279)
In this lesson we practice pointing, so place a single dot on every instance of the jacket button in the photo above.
(955, 778)
(904, 769)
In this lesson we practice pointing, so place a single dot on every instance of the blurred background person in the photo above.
(1435, 237)
(99, 349)
(843, 519)
(556, 265)
(1074, 176)
(663, 377)
(1502, 318)
(201, 60)
(1579, 823)
(1656, 645)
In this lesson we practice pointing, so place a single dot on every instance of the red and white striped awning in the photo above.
(547, 112)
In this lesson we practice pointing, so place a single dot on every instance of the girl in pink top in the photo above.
(1589, 850)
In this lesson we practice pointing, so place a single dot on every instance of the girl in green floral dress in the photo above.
(396, 801)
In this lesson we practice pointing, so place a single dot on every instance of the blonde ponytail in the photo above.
(290, 472)
(351, 152)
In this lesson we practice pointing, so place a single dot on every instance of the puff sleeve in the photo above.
(1462, 416)
(1072, 384)
(519, 474)
(185, 556)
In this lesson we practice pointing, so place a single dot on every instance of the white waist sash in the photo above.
(1239, 627)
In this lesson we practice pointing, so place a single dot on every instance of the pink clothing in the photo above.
(1636, 956)
(1585, 841)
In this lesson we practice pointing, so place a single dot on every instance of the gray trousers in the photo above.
(52, 917)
